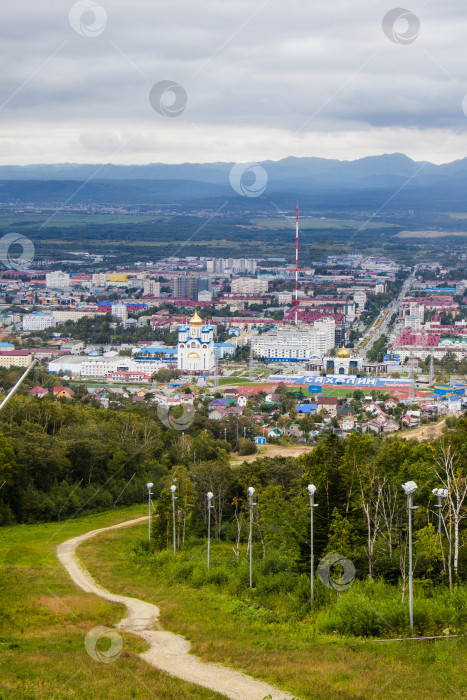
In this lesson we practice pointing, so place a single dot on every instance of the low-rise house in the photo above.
(409, 421)
(307, 408)
(242, 400)
(346, 418)
(373, 409)
(219, 413)
(38, 391)
(218, 403)
(187, 399)
(294, 430)
(63, 392)
(327, 404)
(230, 393)
(274, 433)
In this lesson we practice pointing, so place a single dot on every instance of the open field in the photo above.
(286, 652)
(314, 224)
(273, 451)
(429, 234)
(65, 219)
(45, 619)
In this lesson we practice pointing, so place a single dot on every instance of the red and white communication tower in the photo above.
(296, 266)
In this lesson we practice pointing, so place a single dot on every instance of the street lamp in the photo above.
(149, 486)
(410, 487)
(250, 497)
(440, 493)
(173, 488)
(209, 496)
(311, 492)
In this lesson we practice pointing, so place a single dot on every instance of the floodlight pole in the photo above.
(250, 496)
(311, 492)
(409, 507)
(149, 487)
(173, 488)
(209, 497)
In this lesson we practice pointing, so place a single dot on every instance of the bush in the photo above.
(246, 447)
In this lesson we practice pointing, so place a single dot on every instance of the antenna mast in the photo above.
(251, 359)
(296, 265)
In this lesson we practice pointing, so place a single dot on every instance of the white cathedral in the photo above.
(196, 347)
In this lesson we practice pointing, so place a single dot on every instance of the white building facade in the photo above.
(196, 347)
(151, 288)
(291, 344)
(57, 280)
(38, 322)
(248, 285)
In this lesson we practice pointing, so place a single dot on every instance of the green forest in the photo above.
(59, 459)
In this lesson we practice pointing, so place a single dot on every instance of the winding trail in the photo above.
(168, 652)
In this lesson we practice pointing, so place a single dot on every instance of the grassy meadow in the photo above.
(44, 619)
(281, 642)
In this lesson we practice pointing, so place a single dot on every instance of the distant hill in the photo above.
(367, 183)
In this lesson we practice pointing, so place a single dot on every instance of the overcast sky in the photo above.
(263, 79)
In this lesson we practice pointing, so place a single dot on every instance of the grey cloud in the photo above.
(290, 66)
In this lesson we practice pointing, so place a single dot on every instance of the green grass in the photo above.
(280, 223)
(44, 619)
(282, 647)
(232, 381)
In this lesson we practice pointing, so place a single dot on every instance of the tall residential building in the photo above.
(99, 279)
(57, 279)
(119, 311)
(151, 288)
(185, 287)
(248, 285)
(291, 344)
(235, 265)
(360, 300)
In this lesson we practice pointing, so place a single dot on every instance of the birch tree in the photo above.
(451, 472)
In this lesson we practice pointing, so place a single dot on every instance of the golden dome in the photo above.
(196, 320)
(343, 352)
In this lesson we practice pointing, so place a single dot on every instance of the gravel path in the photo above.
(168, 652)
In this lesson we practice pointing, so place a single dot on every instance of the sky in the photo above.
(231, 80)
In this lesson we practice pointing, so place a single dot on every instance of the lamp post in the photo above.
(250, 498)
(209, 496)
(410, 487)
(441, 493)
(149, 486)
(173, 488)
(311, 492)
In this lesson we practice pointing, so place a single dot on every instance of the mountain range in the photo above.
(318, 182)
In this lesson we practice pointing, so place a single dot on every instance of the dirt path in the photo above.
(168, 652)
(425, 432)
